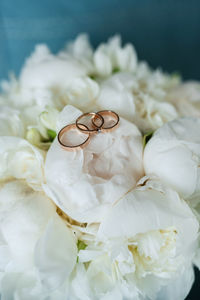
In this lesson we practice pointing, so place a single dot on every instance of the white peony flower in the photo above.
(45, 70)
(111, 56)
(173, 154)
(186, 98)
(21, 160)
(82, 183)
(146, 238)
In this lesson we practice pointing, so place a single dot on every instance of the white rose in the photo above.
(86, 182)
(186, 98)
(173, 154)
(20, 159)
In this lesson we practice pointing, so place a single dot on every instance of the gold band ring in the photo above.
(97, 128)
(75, 147)
(111, 113)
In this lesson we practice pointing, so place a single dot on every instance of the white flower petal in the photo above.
(56, 253)
(173, 154)
(23, 217)
(180, 287)
(102, 61)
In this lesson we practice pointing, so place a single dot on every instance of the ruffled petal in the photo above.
(55, 254)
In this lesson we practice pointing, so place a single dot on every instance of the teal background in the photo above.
(166, 33)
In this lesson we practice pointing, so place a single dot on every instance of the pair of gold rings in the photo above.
(98, 123)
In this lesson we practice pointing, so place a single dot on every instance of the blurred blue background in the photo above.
(166, 33)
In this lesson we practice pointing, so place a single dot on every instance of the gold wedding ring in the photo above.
(96, 128)
(108, 113)
(73, 147)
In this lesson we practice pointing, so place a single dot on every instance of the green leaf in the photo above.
(92, 76)
(51, 134)
(116, 70)
(147, 137)
(176, 75)
(81, 246)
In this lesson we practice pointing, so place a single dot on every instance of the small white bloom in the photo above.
(47, 123)
(33, 136)
(48, 118)
(111, 56)
(20, 159)
(173, 154)
(126, 58)
(82, 183)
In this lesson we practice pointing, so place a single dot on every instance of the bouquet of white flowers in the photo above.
(119, 218)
